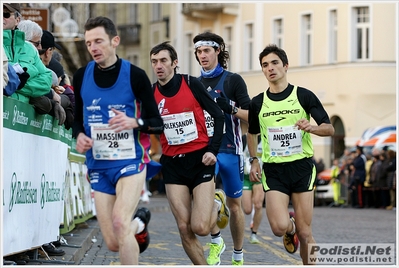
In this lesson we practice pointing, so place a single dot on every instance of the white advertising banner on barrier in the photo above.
(32, 196)
(35, 151)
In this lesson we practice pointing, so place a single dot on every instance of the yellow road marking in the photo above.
(280, 254)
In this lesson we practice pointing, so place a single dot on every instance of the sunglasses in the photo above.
(7, 15)
(35, 43)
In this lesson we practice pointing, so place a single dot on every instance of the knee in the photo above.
(247, 211)
(201, 228)
(183, 228)
(304, 234)
(113, 234)
(258, 205)
(111, 242)
(279, 229)
(120, 227)
(235, 208)
(112, 245)
(186, 233)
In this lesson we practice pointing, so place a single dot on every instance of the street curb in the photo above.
(83, 234)
(87, 241)
(79, 241)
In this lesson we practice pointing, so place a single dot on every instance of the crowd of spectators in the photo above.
(27, 77)
(370, 178)
(31, 75)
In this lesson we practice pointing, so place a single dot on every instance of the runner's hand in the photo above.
(224, 104)
(83, 143)
(304, 125)
(121, 121)
(256, 173)
(209, 159)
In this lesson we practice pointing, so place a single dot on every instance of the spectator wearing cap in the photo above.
(48, 45)
(56, 66)
(22, 52)
(11, 15)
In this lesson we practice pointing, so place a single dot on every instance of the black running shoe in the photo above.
(143, 238)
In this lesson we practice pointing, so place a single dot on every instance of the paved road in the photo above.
(330, 225)
(340, 225)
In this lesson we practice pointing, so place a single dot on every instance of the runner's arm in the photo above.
(78, 116)
(208, 104)
(142, 89)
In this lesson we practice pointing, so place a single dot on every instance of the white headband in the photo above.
(206, 43)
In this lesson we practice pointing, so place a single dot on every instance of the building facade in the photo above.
(345, 52)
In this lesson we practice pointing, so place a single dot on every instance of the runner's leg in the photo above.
(303, 207)
(258, 197)
(180, 204)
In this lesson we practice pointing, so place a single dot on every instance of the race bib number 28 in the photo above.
(109, 145)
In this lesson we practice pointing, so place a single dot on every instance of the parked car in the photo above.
(324, 193)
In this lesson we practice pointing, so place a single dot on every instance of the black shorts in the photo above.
(292, 177)
(186, 169)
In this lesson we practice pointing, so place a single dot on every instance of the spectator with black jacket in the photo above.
(382, 183)
(358, 169)
(374, 175)
(391, 178)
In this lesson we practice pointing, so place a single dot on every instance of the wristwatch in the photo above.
(251, 159)
(140, 122)
(235, 110)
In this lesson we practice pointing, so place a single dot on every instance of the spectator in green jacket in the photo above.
(37, 89)
(39, 82)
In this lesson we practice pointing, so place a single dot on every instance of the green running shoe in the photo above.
(215, 250)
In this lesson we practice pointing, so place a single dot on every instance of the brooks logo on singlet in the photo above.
(295, 111)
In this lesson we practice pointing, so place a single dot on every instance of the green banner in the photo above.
(22, 117)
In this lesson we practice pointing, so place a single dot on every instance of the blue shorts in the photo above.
(230, 168)
(104, 180)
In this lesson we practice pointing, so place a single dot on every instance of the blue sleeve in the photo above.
(13, 81)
